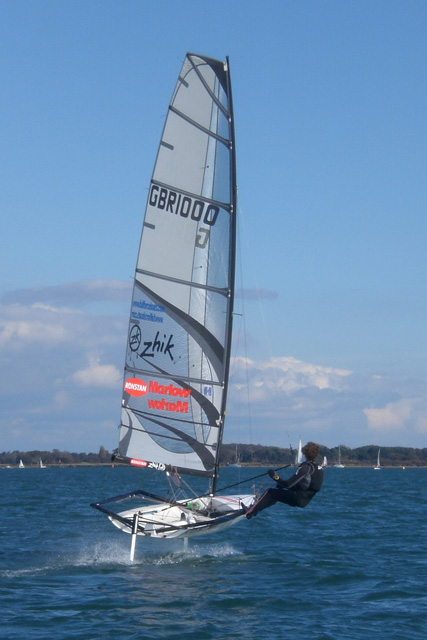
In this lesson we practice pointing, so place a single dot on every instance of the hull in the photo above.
(199, 516)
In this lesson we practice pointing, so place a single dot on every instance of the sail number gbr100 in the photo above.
(181, 205)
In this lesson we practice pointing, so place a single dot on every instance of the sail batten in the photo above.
(198, 285)
(180, 380)
(198, 126)
(178, 351)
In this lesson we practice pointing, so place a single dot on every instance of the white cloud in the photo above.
(24, 326)
(23, 332)
(61, 374)
(98, 375)
(288, 397)
(40, 325)
(72, 293)
(286, 374)
(61, 371)
(396, 416)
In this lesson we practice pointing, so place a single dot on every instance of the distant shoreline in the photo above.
(68, 465)
(245, 455)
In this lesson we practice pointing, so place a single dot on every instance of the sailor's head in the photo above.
(311, 450)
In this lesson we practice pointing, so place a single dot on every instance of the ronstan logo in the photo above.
(135, 387)
(139, 463)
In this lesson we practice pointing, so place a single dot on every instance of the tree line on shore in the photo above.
(258, 455)
(247, 455)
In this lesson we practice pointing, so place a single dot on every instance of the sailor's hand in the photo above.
(273, 474)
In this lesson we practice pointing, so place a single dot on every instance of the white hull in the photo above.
(173, 521)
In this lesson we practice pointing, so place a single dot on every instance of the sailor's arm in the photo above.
(280, 481)
(299, 475)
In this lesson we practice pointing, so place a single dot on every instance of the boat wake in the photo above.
(163, 554)
(112, 555)
(195, 552)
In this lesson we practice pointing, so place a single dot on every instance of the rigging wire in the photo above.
(242, 333)
(264, 473)
(266, 332)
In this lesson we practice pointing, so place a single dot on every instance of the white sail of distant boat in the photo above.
(325, 461)
(339, 465)
(298, 456)
(179, 340)
(378, 465)
(236, 462)
(21, 464)
(41, 465)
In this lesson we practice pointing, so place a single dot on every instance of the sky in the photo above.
(329, 101)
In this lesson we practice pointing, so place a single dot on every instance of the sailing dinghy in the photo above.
(179, 339)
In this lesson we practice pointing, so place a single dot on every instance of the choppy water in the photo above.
(352, 565)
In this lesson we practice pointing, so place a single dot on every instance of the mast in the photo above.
(232, 266)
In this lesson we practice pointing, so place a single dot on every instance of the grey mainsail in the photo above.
(178, 350)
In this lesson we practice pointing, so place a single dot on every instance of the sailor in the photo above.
(296, 491)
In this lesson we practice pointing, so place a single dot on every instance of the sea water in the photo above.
(351, 565)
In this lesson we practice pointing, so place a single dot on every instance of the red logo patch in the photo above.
(139, 463)
(135, 387)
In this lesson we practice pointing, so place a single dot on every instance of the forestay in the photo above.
(180, 321)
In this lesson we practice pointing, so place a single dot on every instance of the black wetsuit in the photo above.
(296, 491)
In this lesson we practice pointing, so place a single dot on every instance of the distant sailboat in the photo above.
(237, 460)
(41, 465)
(298, 457)
(339, 465)
(21, 464)
(325, 461)
(378, 465)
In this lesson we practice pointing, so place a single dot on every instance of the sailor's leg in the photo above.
(267, 500)
(287, 497)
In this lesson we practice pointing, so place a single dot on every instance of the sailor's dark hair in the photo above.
(311, 450)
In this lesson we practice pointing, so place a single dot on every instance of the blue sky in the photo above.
(329, 101)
